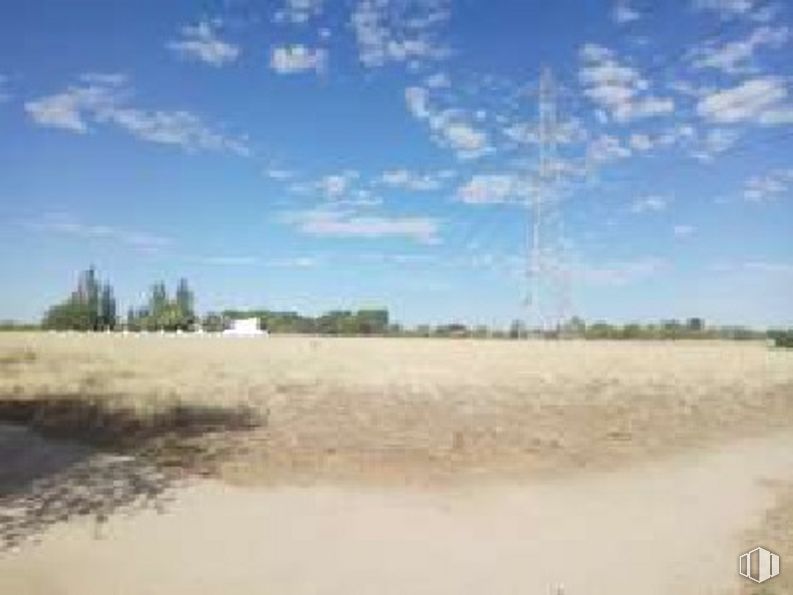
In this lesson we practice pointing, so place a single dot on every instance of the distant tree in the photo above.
(632, 331)
(90, 307)
(88, 294)
(575, 326)
(185, 303)
(424, 330)
(371, 322)
(517, 329)
(695, 325)
(214, 323)
(782, 338)
(107, 308)
(481, 331)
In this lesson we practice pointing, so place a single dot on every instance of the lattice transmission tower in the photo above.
(548, 273)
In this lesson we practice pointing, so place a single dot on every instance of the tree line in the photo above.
(91, 306)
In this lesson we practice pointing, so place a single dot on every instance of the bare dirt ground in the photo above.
(385, 466)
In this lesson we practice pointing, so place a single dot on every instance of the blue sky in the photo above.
(312, 155)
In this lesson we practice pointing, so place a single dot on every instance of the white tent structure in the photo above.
(245, 327)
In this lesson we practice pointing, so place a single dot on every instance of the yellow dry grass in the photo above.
(415, 409)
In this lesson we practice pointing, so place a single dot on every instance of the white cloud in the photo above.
(338, 188)
(294, 262)
(623, 13)
(66, 225)
(567, 132)
(492, 188)
(616, 88)
(640, 142)
(774, 268)
(299, 11)
(606, 148)
(275, 173)
(683, 231)
(769, 186)
(408, 180)
(298, 58)
(653, 203)
(69, 109)
(438, 80)
(180, 128)
(341, 224)
(449, 128)
(761, 100)
(466, 140)
(738, 56)
(404, 31)
(736, 8)
(229, 260)
(105, 102)
(200, 42)
(618, 273)
(417, 99)
(336, 185)
(715, 142)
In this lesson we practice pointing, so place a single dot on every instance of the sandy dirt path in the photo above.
(670, 527)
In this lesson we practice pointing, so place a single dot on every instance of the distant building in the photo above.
(245, 327)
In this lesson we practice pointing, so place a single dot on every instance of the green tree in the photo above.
(695, 325)
(107, 308)
(90, 307)
(185, 303)
(517, 329)
(214, 323)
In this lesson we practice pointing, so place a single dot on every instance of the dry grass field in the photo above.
(301, 411)
(412, 409)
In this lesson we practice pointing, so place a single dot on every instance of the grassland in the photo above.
(380, 412)
(411, 409)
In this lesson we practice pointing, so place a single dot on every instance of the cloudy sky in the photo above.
(310, 154)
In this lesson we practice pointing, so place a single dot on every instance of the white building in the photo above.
(245, 327)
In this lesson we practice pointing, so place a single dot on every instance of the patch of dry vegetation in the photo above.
(423, 410)
(776, 534)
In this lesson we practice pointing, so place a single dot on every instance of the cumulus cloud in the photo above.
(714, 143)
(298, 58)
(200, 42)
(388, 31)
(683, 231)
(299, 11)
(103, 100)
(754, 9)
(279, 174)
(62, 224)
(761, 100)
(769, 186)
(738, 57)
(450, 128)
(619, 273)
(623, 13)
(606, 148)
(641, 142)
(340, 189)
(345, 224)
(616, 88)
(438, 80)
(493, 189)
(408, 180)
(653, 203)
(336, 185)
